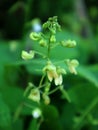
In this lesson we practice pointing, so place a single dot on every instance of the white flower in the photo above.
(36, 25)
(36, 113)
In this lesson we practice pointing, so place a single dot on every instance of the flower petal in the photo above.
(50, 76)
(58, 80)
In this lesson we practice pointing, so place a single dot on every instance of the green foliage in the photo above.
(51, 118)
(82, 91)
(77, 107)
(5, 115)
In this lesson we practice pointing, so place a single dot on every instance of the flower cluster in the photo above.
(51, 71)
(54, 72)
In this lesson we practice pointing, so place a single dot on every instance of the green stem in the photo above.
(41, 81)
(27, 90)
(56, 44)
(54, 90)
(41, 86)
(28, 105)
(58, 62)
(49, 47)
(39, 53)
(48, 55)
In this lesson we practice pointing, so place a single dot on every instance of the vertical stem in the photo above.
(49, 45)
(48, 55)
(41, 81)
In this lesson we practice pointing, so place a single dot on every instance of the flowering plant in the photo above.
(51, 72)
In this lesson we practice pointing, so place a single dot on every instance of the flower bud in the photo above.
(74, 62)
(36, 25)
(47, 88)
(35, 36)
(52, 38)
(46, 25)
(69, 43)
(61, 70)
(27, 55)
(46, 99)
(53, 30)
(43, 43)
(36, 113)
(34, 95)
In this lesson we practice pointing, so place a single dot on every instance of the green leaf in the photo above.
(29, 106)
(51, 118)
(86, 73)
(34, 66)
(13, 96)
(67, 116)
(18, 124)
(5, 116)
(82, 95)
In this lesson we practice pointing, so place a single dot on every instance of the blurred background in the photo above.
(79, 21)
